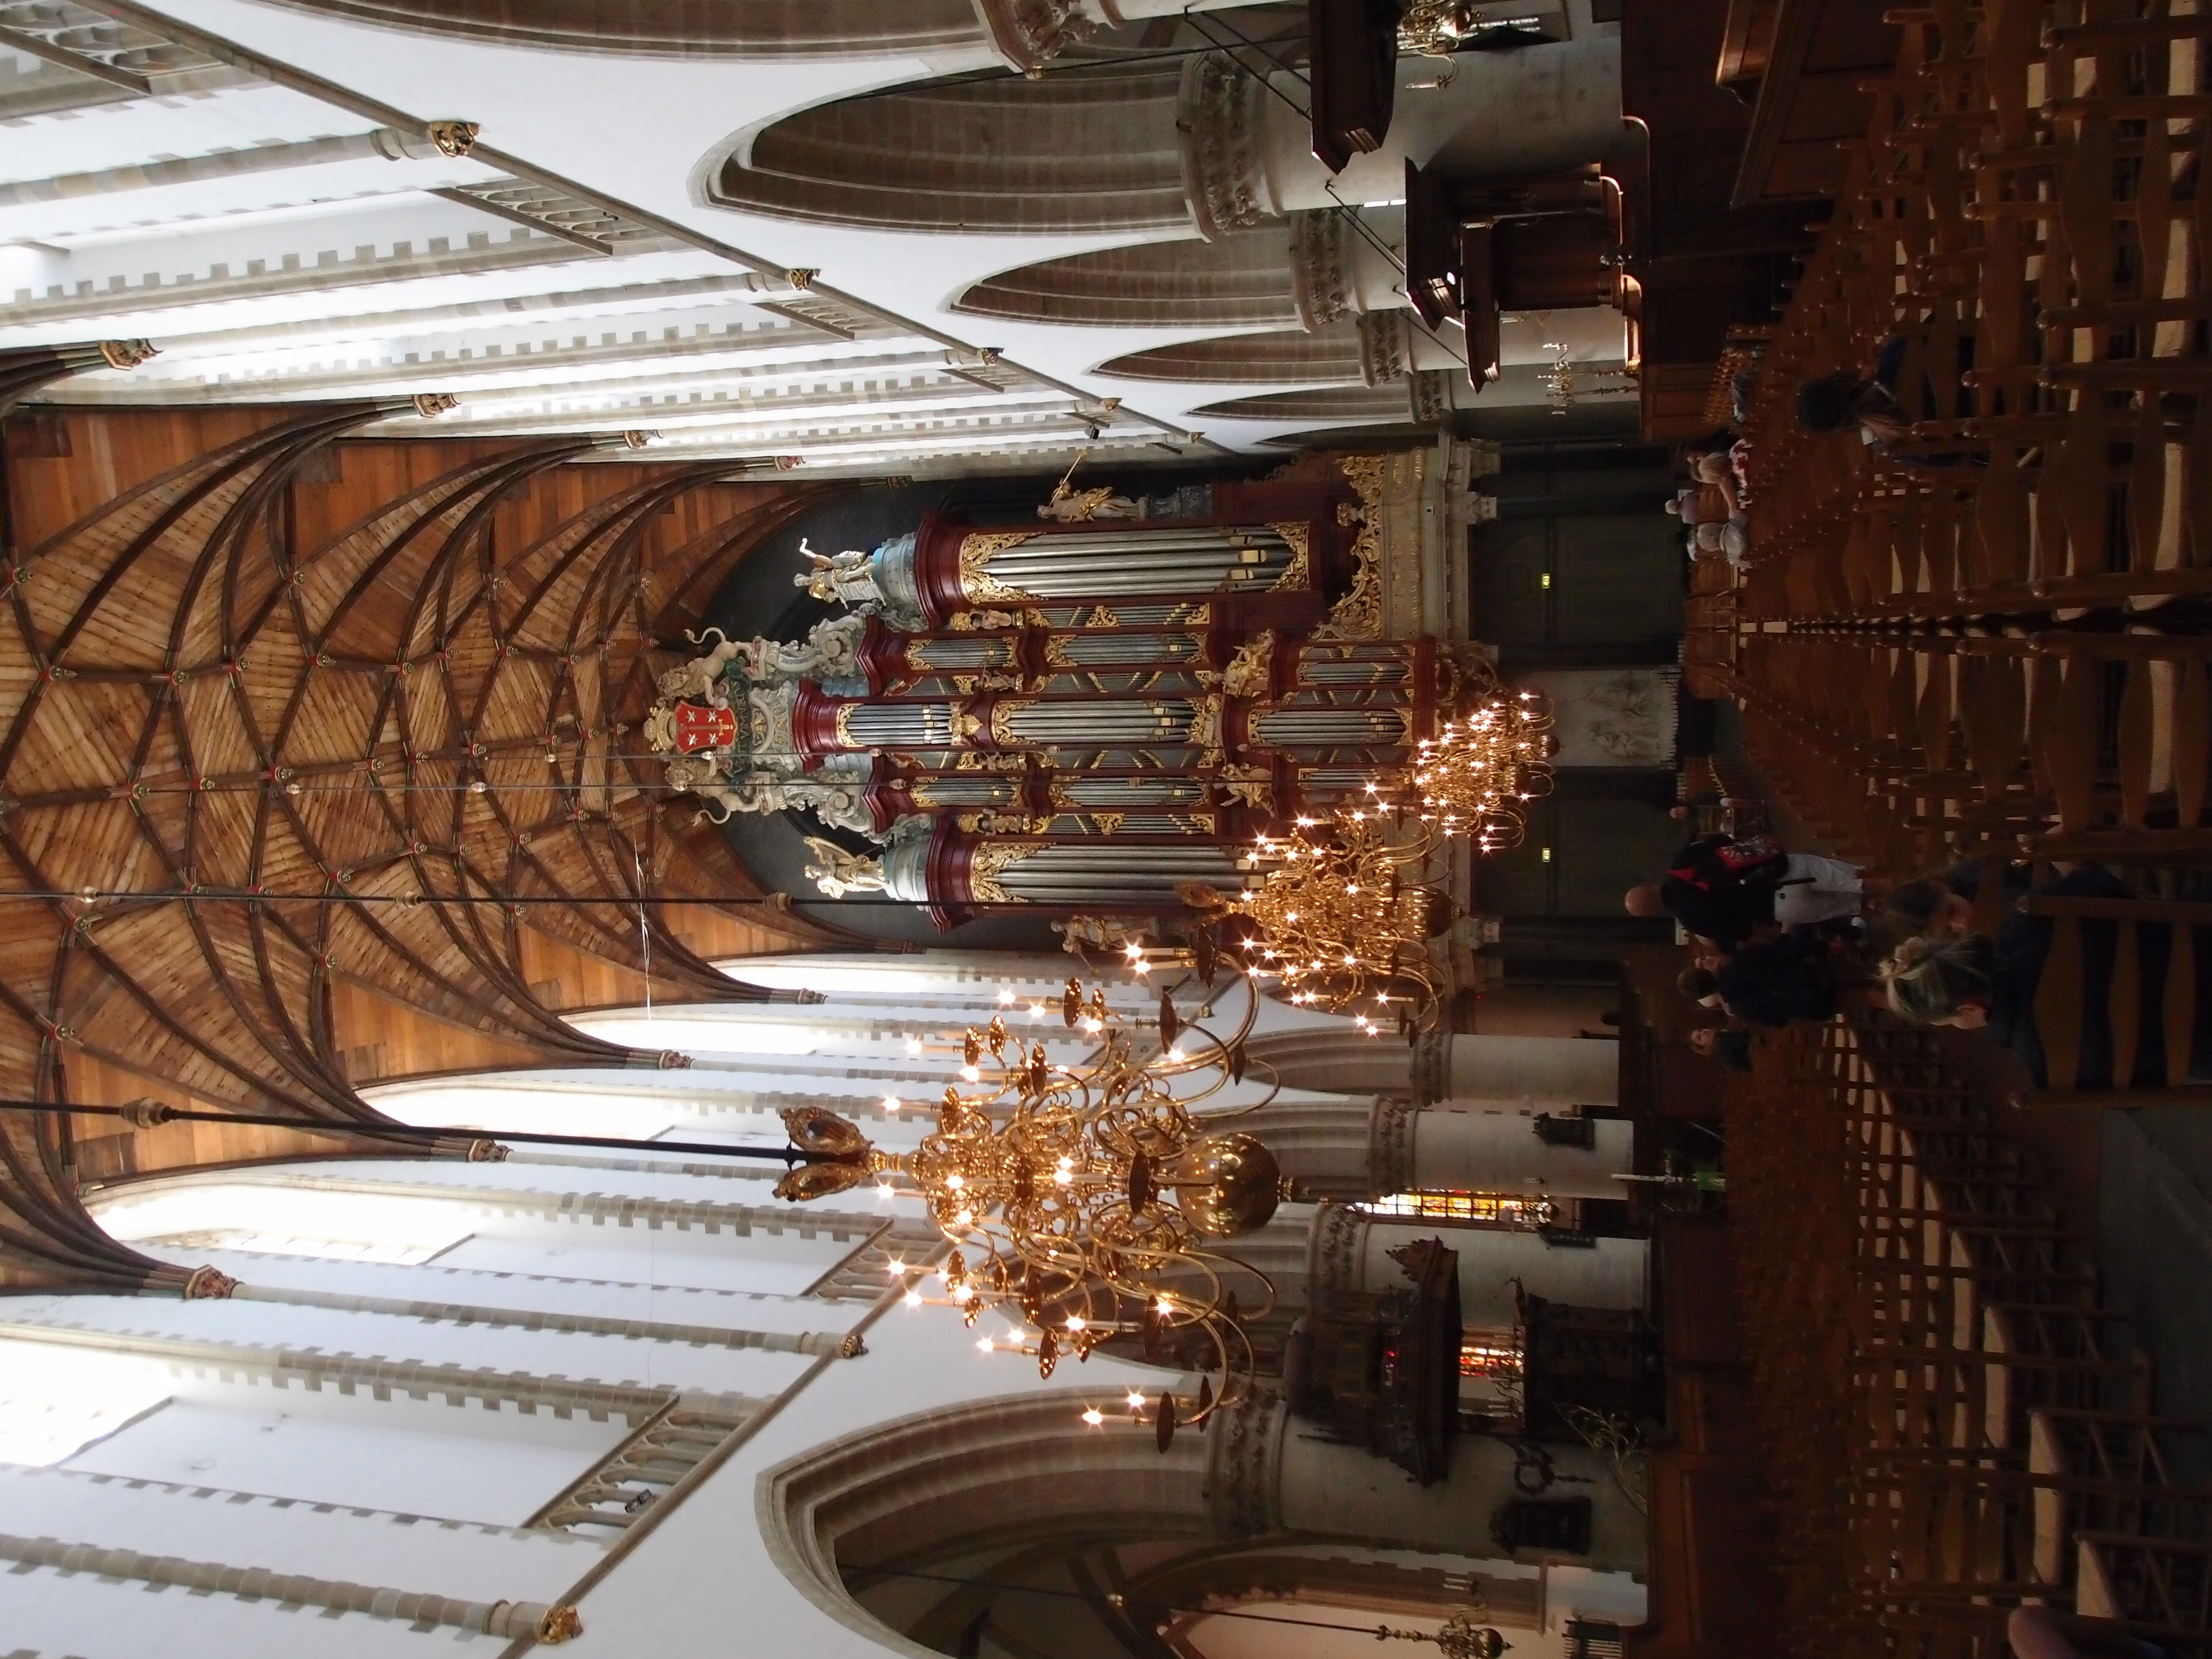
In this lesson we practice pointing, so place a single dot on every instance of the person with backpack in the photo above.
(1726, 889)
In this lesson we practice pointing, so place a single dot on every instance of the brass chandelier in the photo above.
(1340, 920)
(1476, 776)
(1083, 1201)
(1341, 917)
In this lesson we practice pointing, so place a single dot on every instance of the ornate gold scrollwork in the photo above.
(1358, 614)
(991, 862)
(977, 584)
(1299, 573)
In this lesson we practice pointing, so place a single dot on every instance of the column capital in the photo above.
(1386, 347)
(1244, 1475)
(1219, 121)
(1390, 1146)
(1321, 272)
(1030, 33)
(1432, 1067)
(1340, 1232)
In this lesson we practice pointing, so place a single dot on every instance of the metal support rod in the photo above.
(159, 1114)
(247, 895)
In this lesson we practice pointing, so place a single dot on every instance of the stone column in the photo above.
(312, 1370)
(1491, 1146)
(1548, 1073)
(1543, 1072)
(385, 144)
(1326, 1148)
(1265, 1475)
(532, 1319)
(1336, 272)
(1351, 1252)
(1351, 1149)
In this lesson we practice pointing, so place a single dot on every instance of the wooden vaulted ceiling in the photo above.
(319, 766)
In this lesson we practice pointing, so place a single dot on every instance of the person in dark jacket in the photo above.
(1727, 1046)
(1843, 402)
(1945, 903)
(1772, 983)
(1786, 979)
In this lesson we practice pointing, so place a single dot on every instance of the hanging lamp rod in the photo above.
(154, 1115)
(408, 900)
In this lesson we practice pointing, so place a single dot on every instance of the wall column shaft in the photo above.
(1351, 1252)
(1491, 1146)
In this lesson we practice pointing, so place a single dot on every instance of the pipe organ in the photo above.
(1081, 716)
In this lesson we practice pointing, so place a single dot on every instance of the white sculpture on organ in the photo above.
(839, 579)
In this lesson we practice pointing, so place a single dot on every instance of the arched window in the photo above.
(682, 29)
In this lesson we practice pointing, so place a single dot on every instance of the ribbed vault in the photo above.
(1237, 282)
(259, 774)
(682, 29)
(1291, 355)
(1336, 403)
(1080, 151)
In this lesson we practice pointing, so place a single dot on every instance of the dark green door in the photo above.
(1581, 856)
(1577, 579)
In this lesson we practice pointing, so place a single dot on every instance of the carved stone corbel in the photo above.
(1219, 120)
(1386, 347)
(1390, 1147)
(1030, 33)
(1321, 268)
(1243, 1484)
